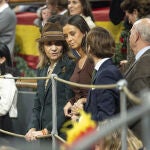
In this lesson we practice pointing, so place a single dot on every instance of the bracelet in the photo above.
(44, 132)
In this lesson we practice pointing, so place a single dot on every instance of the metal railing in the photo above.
(121, 120)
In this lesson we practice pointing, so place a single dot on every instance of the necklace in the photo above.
(49, 72)
(50, 69)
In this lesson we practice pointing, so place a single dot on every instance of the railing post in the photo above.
(54, 110)
(123, 113)
(145, 121)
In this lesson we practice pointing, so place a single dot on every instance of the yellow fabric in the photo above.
(115, 30)
(27, 34)
(25, 38)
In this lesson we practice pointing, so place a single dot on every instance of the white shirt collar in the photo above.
(141, 52)
(63, 12)
(97, 66)
(3, 7)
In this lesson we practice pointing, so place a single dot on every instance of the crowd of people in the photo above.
(75, 49)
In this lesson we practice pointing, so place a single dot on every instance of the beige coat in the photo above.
(138, 78)
(138, 74)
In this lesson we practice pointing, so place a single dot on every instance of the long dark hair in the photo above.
(87, 11)
(6, 67)
(79, 22)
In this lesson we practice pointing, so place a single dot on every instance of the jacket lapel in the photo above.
(42, 82)
(106, 63)
(130, 69)
(93, 75)
(133, 65)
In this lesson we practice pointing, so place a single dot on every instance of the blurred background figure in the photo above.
(62, 12)
(113, 141)
(134, 10)
(7, 25)
(43, 14)
(52, 6)
(57, 6)
(83, 8)
(24, 8)
(62, 7)
(8, 91)
(66, 8)
(116, 14)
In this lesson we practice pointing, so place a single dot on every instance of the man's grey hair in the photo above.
(143, 27)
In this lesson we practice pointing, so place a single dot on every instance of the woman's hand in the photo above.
(67, 108)
(37, 133)
(78, 106)
(75, 118)
(32, 134)
(123, 62)
(29, 136)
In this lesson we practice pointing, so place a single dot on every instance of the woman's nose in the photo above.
(53, 47)
(69, 38)
(69, 5)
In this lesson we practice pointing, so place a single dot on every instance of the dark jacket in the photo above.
(138, 74)
(104, 103)
(42, 111)
(116, 14)
(138, 78)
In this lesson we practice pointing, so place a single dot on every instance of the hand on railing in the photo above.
(29, 136)
(32, 134)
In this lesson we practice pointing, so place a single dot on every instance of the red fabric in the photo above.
(31, 60)
(101, 14)
(26, 18)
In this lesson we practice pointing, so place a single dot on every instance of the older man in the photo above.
(138, 74)
(7, 25)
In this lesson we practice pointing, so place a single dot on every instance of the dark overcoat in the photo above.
(42, 110)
